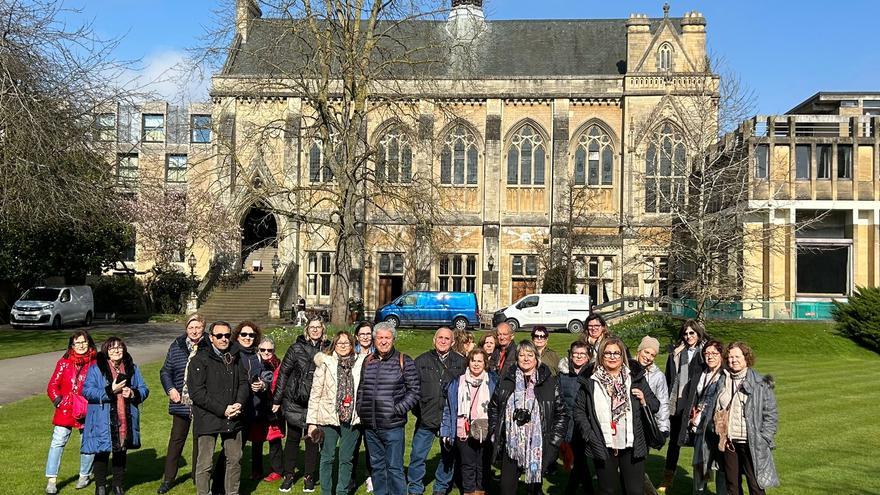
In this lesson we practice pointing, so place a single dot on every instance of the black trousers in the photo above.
(510, 473)
(580, 472)
(179, 431)
(471, 464)
(276, 457)
(295, 435)
(620, 468)
(102, 462)
(737, 462)
(673, 450)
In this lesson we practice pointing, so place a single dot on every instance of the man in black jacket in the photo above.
(437, 368)
(218, 387)
(389, 388)
(504, 355)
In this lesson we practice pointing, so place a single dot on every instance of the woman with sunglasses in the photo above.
(115, 390)
(332, 409)
(173, 377)
(540, 337)
(268, 426)
(64, 390)
(609, 417)
(684, 364)
(701, 397)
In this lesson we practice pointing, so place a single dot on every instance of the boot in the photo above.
(100, 489)
(649, 486)
(668, 477)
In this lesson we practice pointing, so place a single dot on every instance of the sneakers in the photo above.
(83, 481)
(51, 488)
(164, 488)
(273, 477)
(286, 485)
(308, 484)
(369, 484)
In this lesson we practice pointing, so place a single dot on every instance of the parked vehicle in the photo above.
(554, 311)
(53, 306)
(432, 309)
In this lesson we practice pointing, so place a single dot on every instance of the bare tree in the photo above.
(352, 64)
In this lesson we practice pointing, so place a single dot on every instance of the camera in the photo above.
(522, 416)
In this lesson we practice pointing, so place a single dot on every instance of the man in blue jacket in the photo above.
(389, 388)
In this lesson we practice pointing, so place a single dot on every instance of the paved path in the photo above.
(28, 375)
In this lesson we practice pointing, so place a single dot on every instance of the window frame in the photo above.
(384, 151)
(823, 170)
(459, 141)
(325, 174)
(318, 279)
(762, 150)
(798, 176)
(535, 141)
(844, 170)
(667, 133)
(664, 57)
(194, 129)
(457, 272)
(127, 177)
(605, 144)
(147, 135)
(106, 133)
(177, 170)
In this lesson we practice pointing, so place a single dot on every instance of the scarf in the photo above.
(525, 444)
(122, 425)
(616, 388)
(731, 388)
(473, 406)
(80, 360)
(345, 388)
(184, 394)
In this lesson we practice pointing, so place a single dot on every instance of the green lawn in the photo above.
(826, 387)
(24, 342)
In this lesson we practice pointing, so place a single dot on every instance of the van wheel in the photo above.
(17, 327)
(393, 320)
(56, 323)
(514, 325)
(460, 323)
(575, 326)
(88, 320)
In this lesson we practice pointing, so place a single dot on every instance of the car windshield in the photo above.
(40, 295)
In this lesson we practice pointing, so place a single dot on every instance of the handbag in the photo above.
(721, 418)
(653, 436)
(79, 406)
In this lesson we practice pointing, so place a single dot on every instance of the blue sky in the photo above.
(785, 51)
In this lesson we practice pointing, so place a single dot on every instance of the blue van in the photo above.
(432, 309)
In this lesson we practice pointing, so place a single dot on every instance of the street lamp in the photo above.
(191, 261)
(275, 264)
(491, 262)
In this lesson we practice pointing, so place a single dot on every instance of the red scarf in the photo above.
(80, 360)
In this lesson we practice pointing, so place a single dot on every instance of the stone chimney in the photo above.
(466, 20)
(638, 37)
(245, 12)
(693, 37)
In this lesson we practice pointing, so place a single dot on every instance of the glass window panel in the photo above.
(406, 165)
(517, 265)
(394, 160)
(325, 262)
(823, 161)
(456, 284)
(651, 195)
(607, 166)
(446, 166)
(593, 177)
(176, 168)
(531, 265)
(458, 164)
(471, 265)
(802, 161)
(525, 163)
(666, 157)
(470, 284)
(512, 166)
(200, 129)
(539, 165)
(444, 284)
(154, 127)
(580, 160)
(762, 156)
(844, 161)
(325, 285)
(381, 163)
(472, 165)
(398, 263)
(651, 160)
(665, 195)
(384, 263)
(456, 265)
(679, 160)
(315, 163)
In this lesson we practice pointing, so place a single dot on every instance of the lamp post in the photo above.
(491, 262)
(275, 264)
(275, 298)
(193, 303)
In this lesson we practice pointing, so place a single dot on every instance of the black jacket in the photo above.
(295, 378)
(568, 388)
(509, 358)
(554, 414)
(695, 367)
(587, 422)
(434, 379)
(389, 388)
(215, 382)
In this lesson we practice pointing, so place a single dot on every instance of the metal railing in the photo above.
(756, 310)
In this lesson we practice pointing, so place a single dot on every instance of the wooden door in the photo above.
(390, 287)
(522, 288)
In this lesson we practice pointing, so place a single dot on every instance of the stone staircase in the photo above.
(247, 301)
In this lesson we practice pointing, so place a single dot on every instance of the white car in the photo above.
(53, 306)
(554, 311)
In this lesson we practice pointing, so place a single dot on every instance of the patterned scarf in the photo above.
(473, 407)
(122, 425)
(345, 388)
(525, 444)
(616, 388)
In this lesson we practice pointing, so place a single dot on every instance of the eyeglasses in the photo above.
(247, 335)
(81, 343)
(221, 336)
(713, 354)
(365, 336)
(594, 326)
(267, 350)
(579, 354)
(115, 349)
(539, 337)
(690, 332)
(612, 354)
(343, 343)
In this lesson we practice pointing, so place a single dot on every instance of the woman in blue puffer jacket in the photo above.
(114, 388)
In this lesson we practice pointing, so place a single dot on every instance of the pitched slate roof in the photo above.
(512, 48)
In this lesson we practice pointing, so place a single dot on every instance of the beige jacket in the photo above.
(322, 400)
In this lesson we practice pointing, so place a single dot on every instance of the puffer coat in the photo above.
(101, 432)
(322, 400)
(172, 372)
(67, 377)
(587, 422)
(389, 388)
(761, 422)
(554, 413)
(297, 366)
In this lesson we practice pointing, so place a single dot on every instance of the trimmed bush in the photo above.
(168, 289)
(859, 318)
(123, 295)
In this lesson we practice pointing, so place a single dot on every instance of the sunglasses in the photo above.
(539, 336)
(612, 354)
(267, 350)
(247, 335)
(690, 332)
(221, 336)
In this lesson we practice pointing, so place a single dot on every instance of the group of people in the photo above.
(489, 402)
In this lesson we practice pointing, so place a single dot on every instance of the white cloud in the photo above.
(165, 74)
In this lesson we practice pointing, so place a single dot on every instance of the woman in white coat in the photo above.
(332, 409)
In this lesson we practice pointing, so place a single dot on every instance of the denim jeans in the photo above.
(60, 436)
(423, 439)
(386, 454)
(346, 436)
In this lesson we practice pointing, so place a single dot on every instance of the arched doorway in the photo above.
(258, 230)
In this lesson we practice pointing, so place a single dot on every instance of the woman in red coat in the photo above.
(65, 392)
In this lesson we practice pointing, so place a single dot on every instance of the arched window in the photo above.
(525, 158)
(458, 158)
(665, 170)
(664, 57)
(318, 170)
(394, 158)
(594, 158)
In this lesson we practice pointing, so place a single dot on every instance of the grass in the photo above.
(825, 388)
(24, 342)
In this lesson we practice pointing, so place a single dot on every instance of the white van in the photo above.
(53, 306)
(554, 311)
